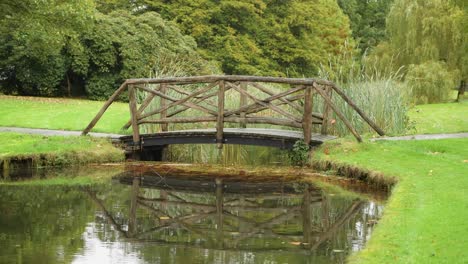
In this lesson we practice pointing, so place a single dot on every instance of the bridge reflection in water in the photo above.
(232, 215)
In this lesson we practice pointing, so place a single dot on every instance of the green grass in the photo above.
(425, 220)
(58, 150)
(439, 118)
(62, 114)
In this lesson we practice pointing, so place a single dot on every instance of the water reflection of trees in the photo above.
(45, 221)
(218, 215)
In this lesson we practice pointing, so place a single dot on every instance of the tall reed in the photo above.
(384, 97)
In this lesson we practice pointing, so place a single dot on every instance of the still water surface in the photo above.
(164, 219)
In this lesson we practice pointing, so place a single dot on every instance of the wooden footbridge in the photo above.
(214, 102)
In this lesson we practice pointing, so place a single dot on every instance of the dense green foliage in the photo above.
(261, 37)
(125, 46)
(432, 35)
(35, 36)
(367, 20)
(430, 81)
(83, 48)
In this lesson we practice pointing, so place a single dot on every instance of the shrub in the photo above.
(299, 155)
(101, 86)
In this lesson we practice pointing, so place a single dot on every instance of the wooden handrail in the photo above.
(298, 98)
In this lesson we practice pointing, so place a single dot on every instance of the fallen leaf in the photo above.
(295, 243)
(164, 218)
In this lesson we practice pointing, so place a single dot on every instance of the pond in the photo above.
(129, 217)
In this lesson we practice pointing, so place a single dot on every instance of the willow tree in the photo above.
(424, 33)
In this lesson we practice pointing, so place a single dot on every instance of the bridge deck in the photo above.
(244, 136)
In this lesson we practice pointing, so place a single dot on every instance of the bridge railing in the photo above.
(293, 107)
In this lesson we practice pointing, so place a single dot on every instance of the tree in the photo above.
(123, 45)
(54, 47)
(367, 20)
(433, 33)
(34, 37)
(260, 36)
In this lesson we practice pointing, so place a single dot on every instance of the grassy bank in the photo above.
(59, 113)
(56, 151)
(425, 218)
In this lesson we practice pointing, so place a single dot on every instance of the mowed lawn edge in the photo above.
(425, 219)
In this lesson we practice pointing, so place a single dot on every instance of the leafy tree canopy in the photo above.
(50, 46)
(367, 20)
(432, 34)
(260, 36)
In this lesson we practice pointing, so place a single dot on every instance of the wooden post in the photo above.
(132, 222)
(142, 108)
(163, 90)
(98, 116)
(219, 212)
(134, 113)
(339, 114)
(326, 111)
(220, 118)
(243, 102)
(307, 117)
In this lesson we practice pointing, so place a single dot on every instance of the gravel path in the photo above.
(424, 137)
(48, 132)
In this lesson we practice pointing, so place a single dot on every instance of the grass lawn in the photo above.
(439, 118)
(66, 150)
(62, 114)
(425, 220)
